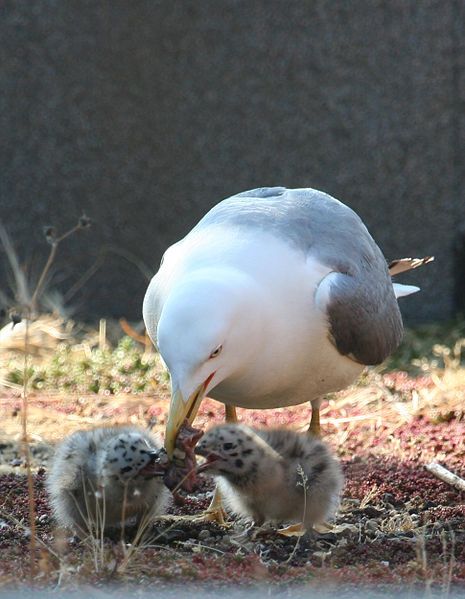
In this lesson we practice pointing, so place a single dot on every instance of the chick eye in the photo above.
(216, 352)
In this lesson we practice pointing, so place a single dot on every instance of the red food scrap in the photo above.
(180, 472)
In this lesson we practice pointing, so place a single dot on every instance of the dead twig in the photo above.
(27, 458)
(446, 475)
(130, 332)
(54, 241)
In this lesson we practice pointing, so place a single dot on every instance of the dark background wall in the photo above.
(146, 113)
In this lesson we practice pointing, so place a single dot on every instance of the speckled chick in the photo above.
(273, 475)
(94, 473)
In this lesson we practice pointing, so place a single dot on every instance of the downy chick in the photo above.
(272, 475)
(103, 477)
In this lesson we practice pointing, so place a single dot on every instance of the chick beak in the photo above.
(183, 411)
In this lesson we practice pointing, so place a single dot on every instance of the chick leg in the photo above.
(215, 511)
(314, 427)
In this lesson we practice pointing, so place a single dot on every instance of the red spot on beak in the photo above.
(208, 380)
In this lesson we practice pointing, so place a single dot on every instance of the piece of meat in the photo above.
(180, 472)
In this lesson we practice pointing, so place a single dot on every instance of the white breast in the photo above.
(297, 361)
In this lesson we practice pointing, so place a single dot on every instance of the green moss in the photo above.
(125, 368)
(429, 346)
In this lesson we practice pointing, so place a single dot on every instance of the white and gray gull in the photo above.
(276, 297)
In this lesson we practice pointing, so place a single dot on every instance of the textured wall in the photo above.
(144, 114)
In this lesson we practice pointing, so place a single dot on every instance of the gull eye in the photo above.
(216, 352)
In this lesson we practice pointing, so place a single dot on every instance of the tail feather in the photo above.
(403, 290)
(404, 264)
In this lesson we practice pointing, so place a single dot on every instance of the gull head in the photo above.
(206, 333)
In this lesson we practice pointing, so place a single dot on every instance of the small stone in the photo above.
(320, 557)
(371, 511)
(204, 534)
(329, 537)
(16, 462)
(346, 530)
(371, 525)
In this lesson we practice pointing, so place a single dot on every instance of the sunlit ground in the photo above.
(398, 524)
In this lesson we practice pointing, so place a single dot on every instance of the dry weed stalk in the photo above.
(54, 241)
(399, 523)
(371, 494)
(27, 458)
(448, 563)
(303, 482)
(29, 313)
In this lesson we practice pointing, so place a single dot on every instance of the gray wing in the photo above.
(363, 315)
(364, 321)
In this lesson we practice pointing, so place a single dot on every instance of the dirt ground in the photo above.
(398, 526)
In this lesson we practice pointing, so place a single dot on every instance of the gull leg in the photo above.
(215, 511)
(230, 414)
(314, 427)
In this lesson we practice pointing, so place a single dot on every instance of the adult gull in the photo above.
(276, 297)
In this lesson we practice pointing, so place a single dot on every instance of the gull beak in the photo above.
(182, 410)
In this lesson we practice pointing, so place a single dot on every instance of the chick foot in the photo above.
(293, 530)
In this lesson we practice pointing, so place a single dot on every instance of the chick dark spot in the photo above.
(227, 446)
(318, 450)
(233, 455)
(133, 448)
(126, 469)
(318, 468)
(247, 451)
(239, 463)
